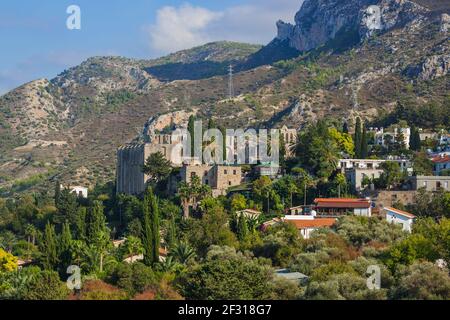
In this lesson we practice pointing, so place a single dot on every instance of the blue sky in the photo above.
(35, 42)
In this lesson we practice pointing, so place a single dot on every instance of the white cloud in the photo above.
(179, 28)
(184, 27)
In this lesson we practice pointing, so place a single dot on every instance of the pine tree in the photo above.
(358, 137)
(364, 144)
(48, 248)
(150, 236)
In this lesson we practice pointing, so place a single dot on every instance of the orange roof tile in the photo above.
(400, 212)
(342, 203)
(316, 223)
(441, 159)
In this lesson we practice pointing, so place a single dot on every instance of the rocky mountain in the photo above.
(335, 61)
(320, 21)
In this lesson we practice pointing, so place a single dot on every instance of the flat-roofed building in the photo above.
(343, 206)
(430, 183)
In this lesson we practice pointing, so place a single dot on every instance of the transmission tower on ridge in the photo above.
(230, 82)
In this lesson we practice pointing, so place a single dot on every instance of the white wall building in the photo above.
(80, 192)
(404, 218)
(382, 138)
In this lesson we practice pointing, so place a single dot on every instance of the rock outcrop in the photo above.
(320, 21)
(171, 120)
(445, 22)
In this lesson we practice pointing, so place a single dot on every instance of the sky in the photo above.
(36, 43)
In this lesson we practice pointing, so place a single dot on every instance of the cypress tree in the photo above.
(171, 233)
(242, 228)
(345, 127)
(358, 137)
(224, 143)
(96, 224)
(415, 143)
(57, 193)
(65, 241)
(67, 207)
(97, 233)
(191, 129)
(364, 144)
(48, 248)
(150, 236)
(282, 148)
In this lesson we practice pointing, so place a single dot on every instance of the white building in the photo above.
(404, 218)
(382, 138)
(358, 169)
(80, 192)
(345, 164)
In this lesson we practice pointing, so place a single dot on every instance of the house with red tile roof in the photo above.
(332, 207)
(307, 226)
(441, 163)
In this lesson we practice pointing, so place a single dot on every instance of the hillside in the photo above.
(69, 127)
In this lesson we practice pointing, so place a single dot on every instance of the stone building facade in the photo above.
(131, 158)
(130, 178)
(219, 178)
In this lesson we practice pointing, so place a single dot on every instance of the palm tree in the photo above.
(183, 253)
(252, 223)
(191, 193)
(169, 264)
(31, 232)
(133, 247)
(7, 241)
(184, 192)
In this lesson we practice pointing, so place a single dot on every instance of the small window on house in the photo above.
(193, 174)
(229, 183)
(234, 172)
(207, 181)
(206, 173)
(225, 171)
(438, 185)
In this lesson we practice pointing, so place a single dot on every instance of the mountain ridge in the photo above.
(69, 127)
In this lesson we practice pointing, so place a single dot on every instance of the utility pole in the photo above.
(230, 82)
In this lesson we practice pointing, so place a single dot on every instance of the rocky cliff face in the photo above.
(320, 21)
